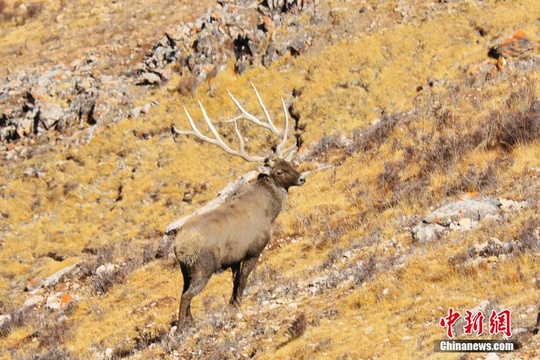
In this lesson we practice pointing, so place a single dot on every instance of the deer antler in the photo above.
(268, 124)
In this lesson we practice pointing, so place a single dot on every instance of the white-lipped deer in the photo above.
(233, 234)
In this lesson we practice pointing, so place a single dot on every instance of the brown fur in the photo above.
(232, 235)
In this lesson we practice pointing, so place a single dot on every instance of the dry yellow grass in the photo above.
(393, 314)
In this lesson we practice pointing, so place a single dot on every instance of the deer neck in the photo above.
(275, 196)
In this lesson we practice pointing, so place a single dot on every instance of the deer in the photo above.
(233, 234)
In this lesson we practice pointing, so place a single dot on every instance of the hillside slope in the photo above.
(399, 97)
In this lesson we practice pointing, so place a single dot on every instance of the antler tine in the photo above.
(266, 113)
(285, 154)
(268, 124)
(217, 139)
(279, 151)
(239, 136)
(290, 152)
(246, 115)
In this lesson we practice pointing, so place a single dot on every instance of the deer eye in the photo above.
(279, 172)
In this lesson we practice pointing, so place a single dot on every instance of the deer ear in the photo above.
(270, 161)
(265, 170)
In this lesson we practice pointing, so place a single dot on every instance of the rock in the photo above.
(101, 270)
(106, 268)
(146, 109)
(140, 110)
(514, 46)
(477, 262)
(427, 232)
(491, 248)
(510, 205)
(4, 319)
(49, 114)
(150, 78)
(53, 279)
(136, 112)
(58, 300)
(25, 126)
(492, 356)
(33, 172)
(298, 46)
(32, 301)
(474, 208)
(101, 108)
(54, 301)
(465, 224)
(458, 215)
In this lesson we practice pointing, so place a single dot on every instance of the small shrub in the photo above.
(3, 7)
(5, 14)
(148, 336)
(34, 9)
(447, 149)
(188, 84)
(106, 254)
(333, 256)
(478, 179)
(5, 328)
(326, 144)
(171, 342)
(103, 282)
(389, 178)
(363, 271)
(516, 128)
(374, 136)
(148, 253)
(333, 232)
(52, 353)
(56, 334)
(298, 327)
(529, 236)
(18, 318)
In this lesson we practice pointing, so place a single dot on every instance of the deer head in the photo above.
(282, 173)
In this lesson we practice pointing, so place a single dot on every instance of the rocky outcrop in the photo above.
(517, 45)
(463, 215)
(73, 100)
(252, 34)
(64, 99)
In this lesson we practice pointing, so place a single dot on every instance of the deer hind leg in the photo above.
(185, 314)
(194, 281)
(240, 279)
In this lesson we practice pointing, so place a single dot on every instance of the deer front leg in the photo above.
(240, 279)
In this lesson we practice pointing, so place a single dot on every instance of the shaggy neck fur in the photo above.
(275, 194)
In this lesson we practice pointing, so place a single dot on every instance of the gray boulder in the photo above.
(475, 208)
(459, 215)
